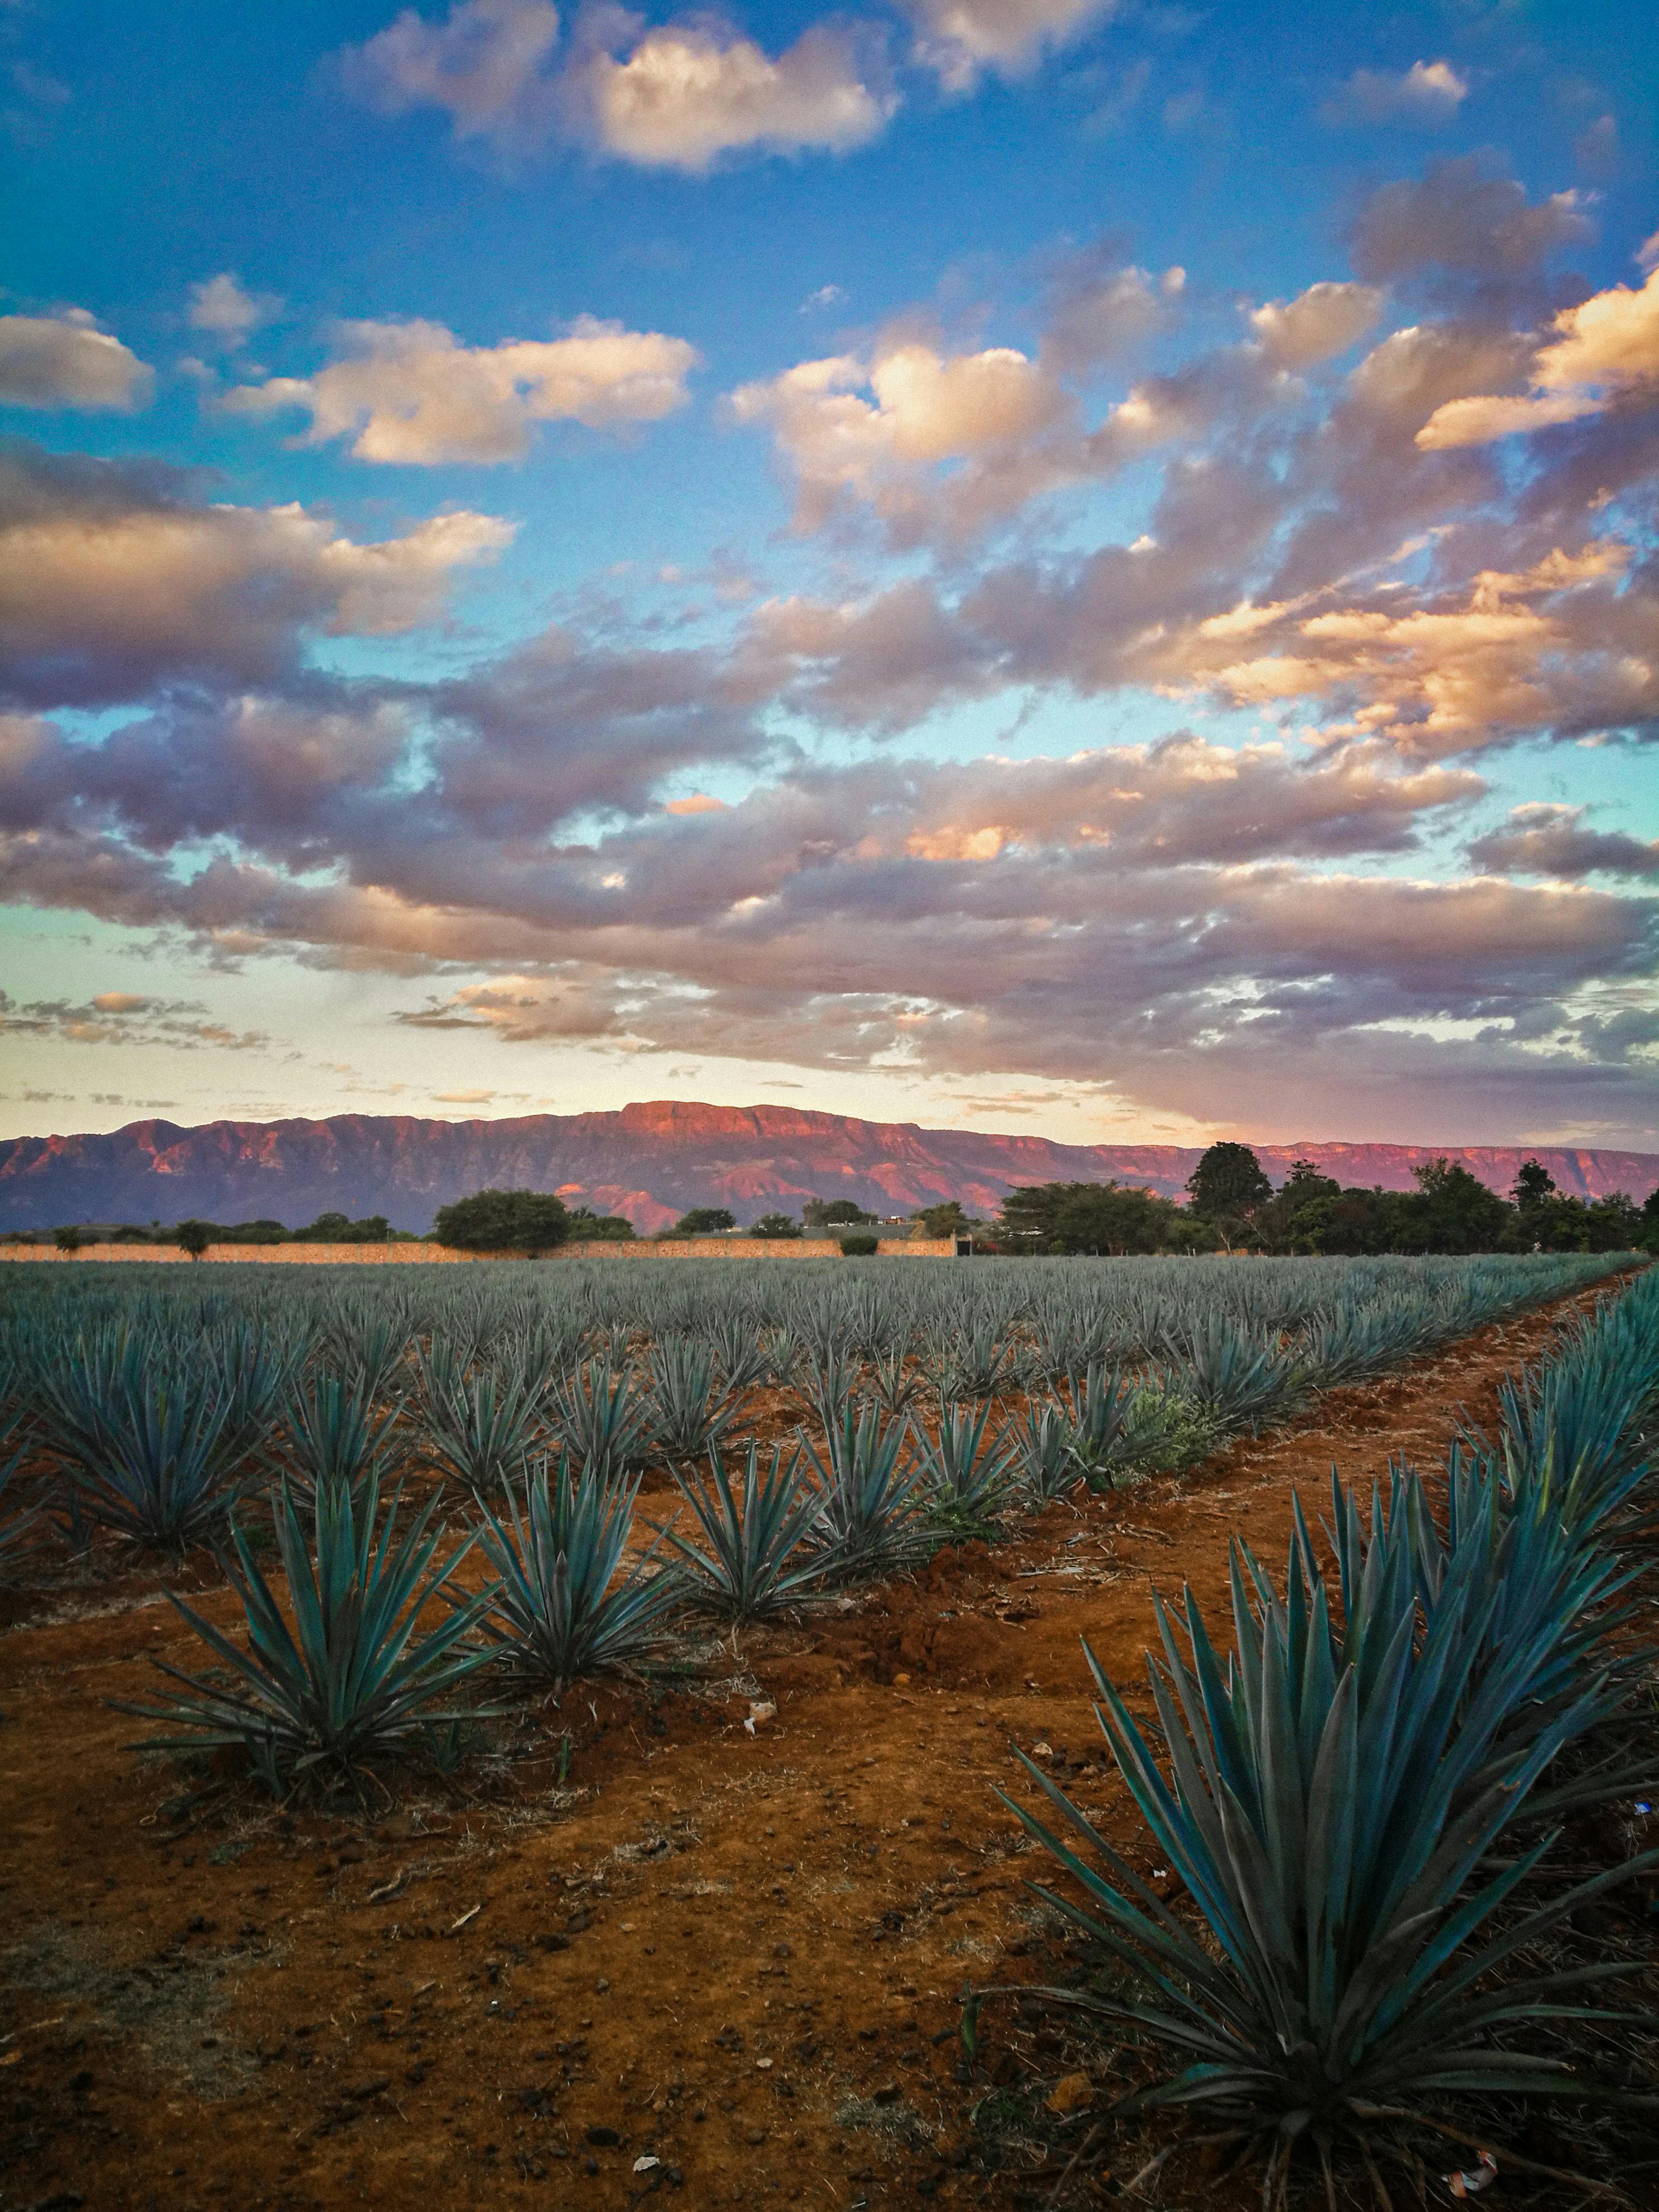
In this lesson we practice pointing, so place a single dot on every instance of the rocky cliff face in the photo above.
(650, 1162)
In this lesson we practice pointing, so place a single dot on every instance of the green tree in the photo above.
(194, 1237)
(704, 1221)
(528, 1221)
(1533, 1185)
(831, 1212)
(1093, 1217)
(600, 1227)
(1228, 1184)
(67, 1239)
(775, 1224)
(1450, 1211)
(945, 1220)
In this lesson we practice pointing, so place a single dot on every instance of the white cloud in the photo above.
(924, 408)
(961, 38)
(220, 306)
(1427, 94)
(1605, 347)
(484, 65)
(66, 361)
(410, 392)
(1325, 319)
(689, 92)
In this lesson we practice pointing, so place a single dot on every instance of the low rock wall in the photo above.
(330, 1255)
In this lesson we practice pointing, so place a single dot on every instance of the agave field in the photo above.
(764, 1608)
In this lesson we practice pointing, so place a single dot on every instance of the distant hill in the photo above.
(650, 1162)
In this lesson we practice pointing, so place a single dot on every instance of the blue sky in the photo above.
(999, 562)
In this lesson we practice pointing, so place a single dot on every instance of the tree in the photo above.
(194, 1237)
(528, 1221)
(831, 1212)
(1450, 1211)
(1228, 1183)
(704, 1221)
(776, 1224)
(67, 1239)
(1533, 1185)
(587, 1228)
(945, 1220)
(1093, 1217)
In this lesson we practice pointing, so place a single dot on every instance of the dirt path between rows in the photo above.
(739, 1956)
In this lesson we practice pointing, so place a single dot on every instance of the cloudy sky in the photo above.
(1016, 564)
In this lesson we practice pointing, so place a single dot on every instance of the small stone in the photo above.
(1073, 2092)
(888, 2093)
(602, 2138)
(754, 2136)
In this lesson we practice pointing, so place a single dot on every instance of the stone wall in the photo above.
(328, 1255)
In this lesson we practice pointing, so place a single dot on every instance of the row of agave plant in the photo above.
(1356, 1796)
(157, 1407)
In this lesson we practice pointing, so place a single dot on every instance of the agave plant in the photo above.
(1330, 1797)
(871, 1523)
(18, 1524)
(893, 1381)
(153, 1440)
(332, 1435)
(484, 1432)
(1236, 1376)
(754, 1563)
(1104, 1423)
(967, 1475)
(739, 1351)
(1041, 1449)
(351, 1680)
(602, 1420)
(979, 1362)
(691, 1411)
(827, 1381)
(557, 1611)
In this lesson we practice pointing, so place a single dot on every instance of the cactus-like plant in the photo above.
(355, 1678)
(753, 1561)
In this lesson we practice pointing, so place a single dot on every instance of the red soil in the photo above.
(741, 1955)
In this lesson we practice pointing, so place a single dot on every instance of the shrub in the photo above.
(860, 1247)
(527, 1221)
(776, 1224)
(351, 1680)
(194, 1237)
(553, 1612)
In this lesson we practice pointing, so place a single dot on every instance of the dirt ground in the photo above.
(701, 1959)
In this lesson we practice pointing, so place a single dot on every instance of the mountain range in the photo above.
(651, 1162)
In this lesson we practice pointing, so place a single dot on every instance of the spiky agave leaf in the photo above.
(739, 1351)
(871, 1523)
(20, 1525)
(1237, 1374)
(484, 1430)
(691, 1410)
(755, 1562)
(1327, 1801)
(557, 1610)
(351, 1680)
(967, 1474)
(892, 1380)
(332, 1434)
(1040, 1444)
(603, 1421)
(153, 1431)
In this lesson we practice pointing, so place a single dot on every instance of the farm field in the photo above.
(700, 1919)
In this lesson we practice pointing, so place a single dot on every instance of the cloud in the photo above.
(1555, 841)
(126, 1018)
(407, 392)
(485, 65)
(116, 577)
(1604, 347)
(1324, 320)
(674, 96)
(686, 92)
(220, 306)
(960, 39)
(1464, 217)
(66, 361)
(1428, 94)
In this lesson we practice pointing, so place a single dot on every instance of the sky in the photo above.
(1020, 564)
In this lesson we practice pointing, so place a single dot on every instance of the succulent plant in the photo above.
(753, 1560)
